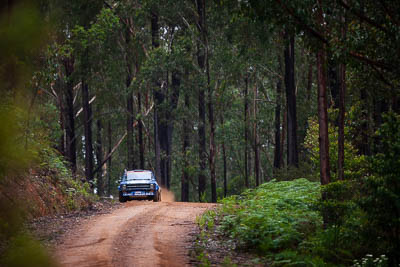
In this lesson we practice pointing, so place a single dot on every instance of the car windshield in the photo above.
(132, 175)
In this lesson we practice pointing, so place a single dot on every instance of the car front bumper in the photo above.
(138, 193)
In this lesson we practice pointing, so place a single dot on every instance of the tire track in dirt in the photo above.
(140, 233)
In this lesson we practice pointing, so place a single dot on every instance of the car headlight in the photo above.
(124, 187)
(152, 186)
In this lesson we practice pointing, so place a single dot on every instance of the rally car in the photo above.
(139, 184)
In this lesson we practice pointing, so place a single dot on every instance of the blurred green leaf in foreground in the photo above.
(22, 34)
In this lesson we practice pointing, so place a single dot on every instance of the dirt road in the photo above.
(141, 233)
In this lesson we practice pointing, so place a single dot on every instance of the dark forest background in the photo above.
(215, 97)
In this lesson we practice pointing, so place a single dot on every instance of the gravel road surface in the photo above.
(140, 233)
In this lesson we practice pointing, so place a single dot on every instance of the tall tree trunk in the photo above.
(163, 123)
(325, 174)
(186, 143)
(342, 111)
(156, 43)
(201, 54)
(278, 152)
(292, 150)
(323, 109)
(62, 118)
(283, 137)
(129, 128)
(309, 81)
(163, 137)
(70, 114)
(109, 131)
(163, 130)
(212, 147)
(249, 154)
(172, 105)
(342, 108)
(256, 139)
(140, 133)
(87, 123)
(224, 156)
(129, 105)
(365, 123)
(99, 156)
(225, 169)
(211, 121)
(246, 132)
(157, 147)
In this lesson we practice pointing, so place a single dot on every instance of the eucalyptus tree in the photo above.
(88, 14)
(163, 71)
(243, 58)
(291, 103)
(68, 62)
(278, 148)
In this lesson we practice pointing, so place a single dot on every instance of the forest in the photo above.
(272, 105)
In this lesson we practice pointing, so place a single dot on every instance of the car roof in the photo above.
(138, 171)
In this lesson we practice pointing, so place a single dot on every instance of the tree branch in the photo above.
(382, 77)
(363, 17)
(81, 109)
(111, 152)
(118, 144)
(308, 28)
(129, 28)
(370, 61)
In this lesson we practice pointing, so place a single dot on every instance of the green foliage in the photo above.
(52, 162)
(206, 221)
(361, 214)
(337, 201)
(294, 258)
(24, 251)
(274, 217)
(283, 221)
(228, 262)
(339, 242)
(204, 261)
(14, 158)
(381, 192)
(19, 45)
(22, 33)
(370, 261)
(78, 194)
(355, 165)
(305, 170)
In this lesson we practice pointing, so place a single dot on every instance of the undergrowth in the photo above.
(47, 188)
(275, 221)
(76, 193)
(276, 215)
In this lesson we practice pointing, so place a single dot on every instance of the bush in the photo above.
(25, 251)
(340, 241)
(381, 192)
(355, 165)
(305, 170)
(362, 214)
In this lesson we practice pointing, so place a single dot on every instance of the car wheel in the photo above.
(121, 197)
(156, 197)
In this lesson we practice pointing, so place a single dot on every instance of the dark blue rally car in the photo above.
(139, 184)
